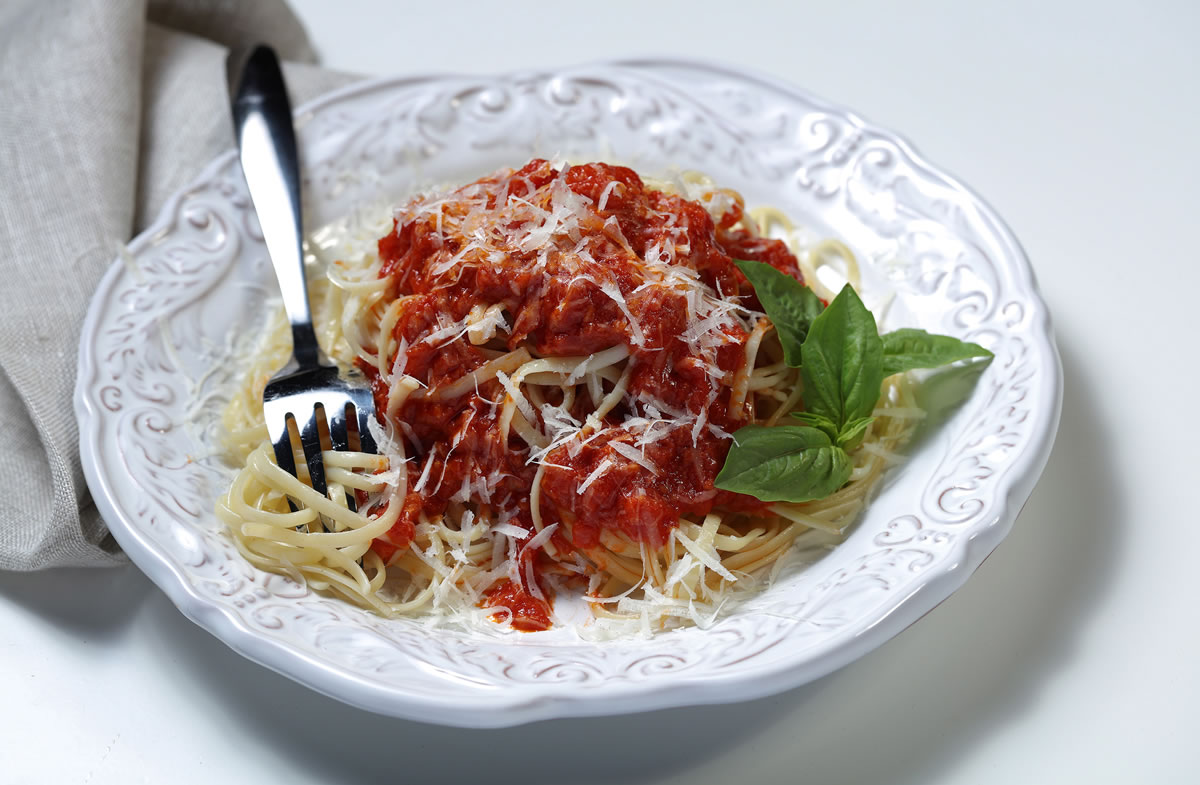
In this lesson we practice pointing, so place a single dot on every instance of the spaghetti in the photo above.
(559, 358)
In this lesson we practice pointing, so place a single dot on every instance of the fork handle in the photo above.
(262, 122)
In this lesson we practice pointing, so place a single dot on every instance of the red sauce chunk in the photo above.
(525, 612)
(569, 262)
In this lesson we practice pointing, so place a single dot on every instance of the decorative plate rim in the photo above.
(535, 702)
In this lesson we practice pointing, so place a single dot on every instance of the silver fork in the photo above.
(308, 389)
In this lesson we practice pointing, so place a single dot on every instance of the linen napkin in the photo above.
(106, 108)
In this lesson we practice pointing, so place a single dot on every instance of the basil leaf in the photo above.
(790, 305)
(820, 422)
(852, 433)
(842, 361)
(907, 349)
(786, 463)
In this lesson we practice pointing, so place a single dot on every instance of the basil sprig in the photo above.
(790, 305)
(786, 463)
(843, 362)
(908, 349)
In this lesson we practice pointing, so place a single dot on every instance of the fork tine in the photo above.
(339, 436)
(282, 442)
(310, 440)
(365, 439)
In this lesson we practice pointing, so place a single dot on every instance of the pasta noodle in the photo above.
(559, 358)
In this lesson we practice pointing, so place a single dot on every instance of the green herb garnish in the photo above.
(908, 349)
(843, 361)
(791, 463)
(790, 305)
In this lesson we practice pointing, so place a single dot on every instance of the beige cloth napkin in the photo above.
(106, 108)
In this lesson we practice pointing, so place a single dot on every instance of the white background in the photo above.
(1073, 654)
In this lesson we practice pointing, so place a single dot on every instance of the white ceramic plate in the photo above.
(150, 375)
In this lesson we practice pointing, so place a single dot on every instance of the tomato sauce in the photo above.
(579, 270)
(528, 613)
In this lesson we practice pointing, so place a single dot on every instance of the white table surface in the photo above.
(1073, 654)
